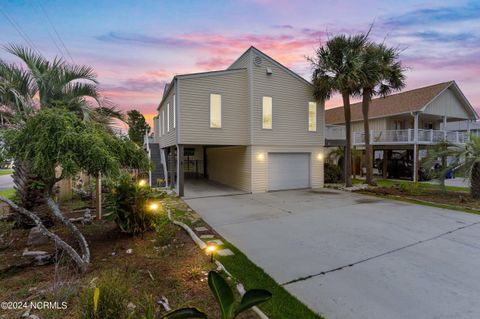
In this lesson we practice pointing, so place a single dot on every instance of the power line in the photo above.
(55, 30)
(53, 40)
(24, 36)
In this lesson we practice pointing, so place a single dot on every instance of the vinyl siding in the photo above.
(194, 109)
(242, 62)
(230, 166)
(260, 167)
(290, 97)
(447, 104)
(170, 137)
(375, 125)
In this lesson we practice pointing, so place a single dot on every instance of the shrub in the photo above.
(128, 205)
(164, 228)
(112, 299)
(332, 173)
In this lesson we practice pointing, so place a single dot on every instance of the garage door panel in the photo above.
(288, 171)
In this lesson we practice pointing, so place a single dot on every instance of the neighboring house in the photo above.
(405, 124)
(464, 127)
(254, 126)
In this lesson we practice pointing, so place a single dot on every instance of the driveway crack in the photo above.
(379, 255)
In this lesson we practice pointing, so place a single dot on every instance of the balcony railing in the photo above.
(407, 136)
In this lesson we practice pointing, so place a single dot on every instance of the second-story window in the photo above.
(174, 112)
(267, 112)
(312, 116)
(215, 111)
(168, 117)
(163, 122)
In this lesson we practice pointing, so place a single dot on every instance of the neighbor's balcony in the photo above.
(407, 136)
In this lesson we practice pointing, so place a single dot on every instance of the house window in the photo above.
(267, 112)
(312, 116)
(174, 112)
(215, 111)
(168, 117)
(163, 122)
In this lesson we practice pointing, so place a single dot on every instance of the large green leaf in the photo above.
(184, 313)
(251, 298)
(223, 293)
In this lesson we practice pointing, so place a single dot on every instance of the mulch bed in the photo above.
(177, 270)
(433, 196)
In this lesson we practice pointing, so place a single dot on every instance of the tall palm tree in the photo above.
(338, 69)
(47, 84)
(382, 74)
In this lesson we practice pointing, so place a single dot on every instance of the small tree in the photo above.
(462, 157)
(137, 126)
(57, 138)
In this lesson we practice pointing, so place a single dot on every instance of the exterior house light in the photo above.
(260, 156)
(320, 156)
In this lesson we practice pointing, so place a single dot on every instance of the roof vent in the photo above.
(257, 60)
(269, 71)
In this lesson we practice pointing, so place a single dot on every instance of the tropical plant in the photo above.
(107, 300)
(338, 69)
(382, 74)
(56, 138)
(45, 84)
(137, 126)
(464, 158)
(128, 205)
(332, 173)
(224, 295)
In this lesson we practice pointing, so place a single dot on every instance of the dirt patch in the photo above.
(177, 270)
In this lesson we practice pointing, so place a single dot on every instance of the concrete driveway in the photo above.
(353, 256)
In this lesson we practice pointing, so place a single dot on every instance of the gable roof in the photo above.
(400, 103)
(271, 60)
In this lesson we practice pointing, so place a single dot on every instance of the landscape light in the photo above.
(211, 249)
(142, 182)
(153, 206)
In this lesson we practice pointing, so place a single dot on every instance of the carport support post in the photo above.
(415, 147)
(180, 170)
(385, 164)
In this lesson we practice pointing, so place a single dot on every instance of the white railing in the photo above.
(407, 136)
(333, 132)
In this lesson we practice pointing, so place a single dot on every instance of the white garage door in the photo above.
(288, 171)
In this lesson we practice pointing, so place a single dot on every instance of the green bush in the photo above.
(129, 205)
(164, 228)
(332, 173)
(112, 301)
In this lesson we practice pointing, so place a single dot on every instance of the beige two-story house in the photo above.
(254, 126)
(404, 125)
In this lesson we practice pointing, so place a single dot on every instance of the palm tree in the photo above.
(465, 158)
(382, 74)
(338, 69)
(46, 84)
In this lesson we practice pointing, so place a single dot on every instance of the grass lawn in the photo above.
(9, 193)
(434, 195)
(6, 171)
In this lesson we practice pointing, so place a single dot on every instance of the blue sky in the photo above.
(137, 46)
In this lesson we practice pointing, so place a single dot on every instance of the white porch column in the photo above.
(445, 127)
(415, 147)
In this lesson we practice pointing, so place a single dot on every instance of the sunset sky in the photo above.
(137, 46)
